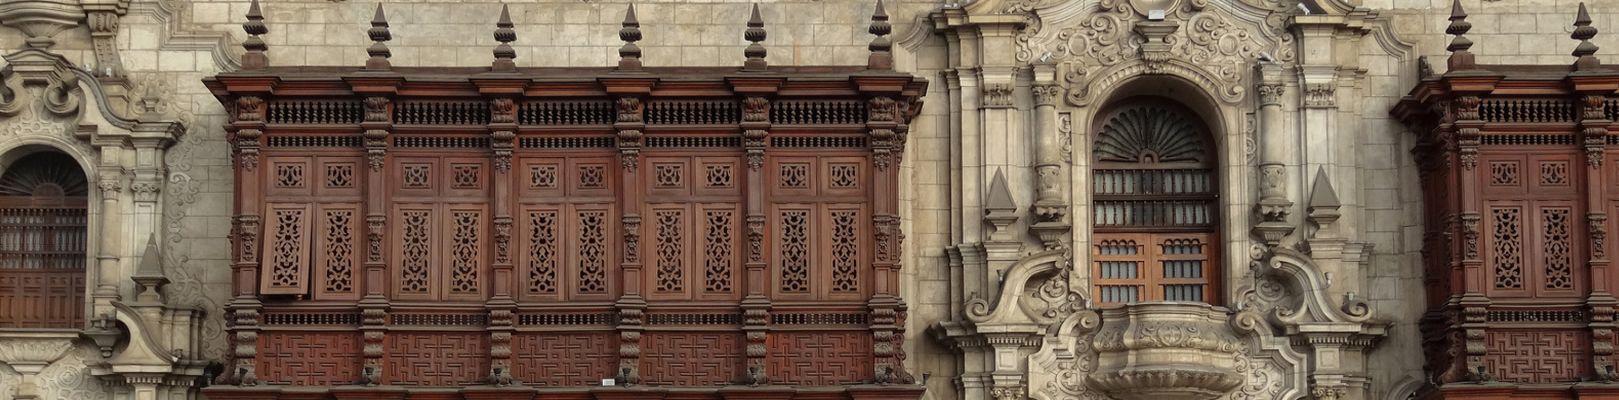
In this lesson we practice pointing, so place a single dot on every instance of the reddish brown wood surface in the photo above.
(1517, 166)
(692, 228)
(43, 237)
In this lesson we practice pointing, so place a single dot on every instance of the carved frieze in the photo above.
(1211, 46)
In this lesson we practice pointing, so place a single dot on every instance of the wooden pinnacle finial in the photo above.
(504, 54)
(255, 58)
(882, 57)
(755, 51)
(1585, 52)
(379, 48)
(1460, 57)
(629, 56)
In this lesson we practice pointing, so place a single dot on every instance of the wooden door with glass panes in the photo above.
(1153, 192)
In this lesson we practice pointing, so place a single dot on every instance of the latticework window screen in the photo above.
(42, 242)
(1155, 214)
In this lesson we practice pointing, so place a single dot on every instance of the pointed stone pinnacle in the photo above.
(1000, 195)
(1322, 196)
(151, 259)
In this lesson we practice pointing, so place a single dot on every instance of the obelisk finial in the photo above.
(1460, 57)
(255, 58)
(504, 54)
(882, 57)
(1585, 52)
(379, 48)
(629, 56)
(755, 51)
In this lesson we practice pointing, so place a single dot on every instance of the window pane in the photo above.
(1183, 292)
(1119, 270)
(1183, 269)
(1120, 294)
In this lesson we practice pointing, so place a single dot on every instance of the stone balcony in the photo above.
(1173, 351)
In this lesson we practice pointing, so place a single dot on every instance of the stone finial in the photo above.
(149, 273)
(504, 54)
(629, 56)
(1322, 196)
(755, 51)
(1585, 52)
(999, 208)
(255, 57)
(882, 57)
(1460, 57)
(379, 49)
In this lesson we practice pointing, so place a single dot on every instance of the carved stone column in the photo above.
(110, 179)
(1274, 205)
(1050, 206)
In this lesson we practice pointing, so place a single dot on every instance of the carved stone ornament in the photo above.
(41, 20)
(1099, 48)
(997, 95)
(1151, 350)
(39, 96)
(1166, 351)
(1320, 95)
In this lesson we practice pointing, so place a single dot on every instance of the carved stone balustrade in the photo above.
(1158, 351)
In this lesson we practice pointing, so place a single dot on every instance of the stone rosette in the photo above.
(1166, 350)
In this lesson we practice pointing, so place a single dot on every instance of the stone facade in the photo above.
(1320, 291)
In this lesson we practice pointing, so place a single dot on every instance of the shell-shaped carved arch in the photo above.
(45, 173)
(1144, 131)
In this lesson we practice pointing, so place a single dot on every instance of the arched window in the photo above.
(42, 242)
(1153, 176)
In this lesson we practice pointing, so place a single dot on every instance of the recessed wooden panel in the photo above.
(287, 240)
(291, 177)
(415, 250)
(339, 239)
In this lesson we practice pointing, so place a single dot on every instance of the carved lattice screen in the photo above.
(42, 242)
(1153, 188)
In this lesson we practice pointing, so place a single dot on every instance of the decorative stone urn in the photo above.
(1166, 351)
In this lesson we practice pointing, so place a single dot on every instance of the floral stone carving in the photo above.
(1166, 351)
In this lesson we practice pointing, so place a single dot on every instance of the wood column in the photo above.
(1600, 301)
(248, 129)
(501, 305)
(378, 123)
(756, 93)
(630, 93)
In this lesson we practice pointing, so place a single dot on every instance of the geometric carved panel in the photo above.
(309, 358)
(691, 359)
(287, 250)
(1504, 173)
(819, 358)
(1537, 356)
(436, 358)
(1556, 246)
(569, 359)
(1506, 230)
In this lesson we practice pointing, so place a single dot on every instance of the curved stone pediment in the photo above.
(1036, 292)
(1099, 44)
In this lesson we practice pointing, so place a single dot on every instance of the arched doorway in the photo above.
(1156, 218)
(43, 207)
